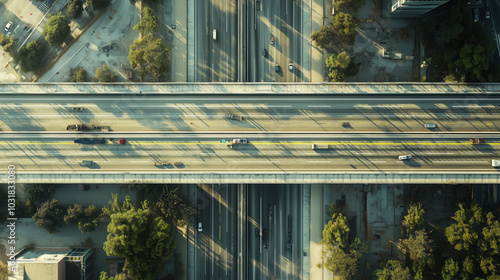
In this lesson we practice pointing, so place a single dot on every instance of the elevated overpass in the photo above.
(183, 122)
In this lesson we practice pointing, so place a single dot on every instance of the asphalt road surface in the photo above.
(216, 58)
(164, 113)
(286, 153)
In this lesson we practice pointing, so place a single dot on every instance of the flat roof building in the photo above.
(414, 8)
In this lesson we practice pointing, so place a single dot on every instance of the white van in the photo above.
(214, 34)
(404, 157)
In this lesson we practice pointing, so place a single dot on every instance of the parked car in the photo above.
(9, 25)
(404, 157)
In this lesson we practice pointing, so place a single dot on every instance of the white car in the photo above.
(214, 34)
(200, 226)
(240, 141)
(430, 125)
(404, 157)
(487, 14)
(9, 25)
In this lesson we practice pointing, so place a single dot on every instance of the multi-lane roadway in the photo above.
(280, 131)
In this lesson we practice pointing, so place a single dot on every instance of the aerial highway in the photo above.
(268, 153)
(173, 113)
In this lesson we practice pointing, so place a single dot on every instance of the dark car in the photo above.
(277, 68)
(257, 232)
(265, 53)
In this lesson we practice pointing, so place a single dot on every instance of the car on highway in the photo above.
(240, 141)
(77, 109)
(121, 141)
(200, 225)
(214, 34)
(265, 53)
(277, 68)
(9, 25)
(87, 163)
(476, 140)
(405, 157)
(430, 125)
(257, 5)
(257, 232)
(290, 67)
(487, 14)
(476, 14)
(272, 40)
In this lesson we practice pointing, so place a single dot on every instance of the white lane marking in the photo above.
(364, 153)
(255, 161)
(377, 106)
(378, 161)
(439, 153)
(318, 161)
(6, 161)
(319, 106)
(47, 161)
(138, 161)
(458, 161)
(473, 106)
(203, 154)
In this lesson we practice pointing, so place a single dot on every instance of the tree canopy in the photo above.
(98, 4)
(56, 29)
(173, 208)
(324, 37)
(31, 55)
(148, 23)
(340, 67)
(78, 75)
(393, 270)
(462, 234)
(105, 74)
(150, 56)
(345, 26)
(415, 217)
(75, 8)
(137, 235)
(39, 194)
(50, 216)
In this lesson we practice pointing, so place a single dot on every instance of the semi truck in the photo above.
(319, 146)
(81, 127)
(89, 141)
(495, 163)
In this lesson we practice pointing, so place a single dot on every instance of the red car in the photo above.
(121, 141)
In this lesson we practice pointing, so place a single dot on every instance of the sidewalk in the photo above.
(317, 224)
(312, 57)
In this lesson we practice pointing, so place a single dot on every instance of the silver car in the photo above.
(404, 157)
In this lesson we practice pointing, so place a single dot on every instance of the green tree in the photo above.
(8, 43)
(30, 56)
(340, 67)
(450, 269)
(105, 74)
(419, 247)
(148, 23)
(39, 194)
(56, 29)
(78, 75)
(98, 4)
(121, 276)
(339, 257)
(393, 270)
(323, 38)
(147, 2)
(74, 214)
(116, 206)
(490, 242)
(90, 219)
(349, 4)
(173, 208)
(473, 58)
(137, 235)
(50, 216)
(415, 217)
(150, 56)
(462, 234)
(345, 26)
(75, 8)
